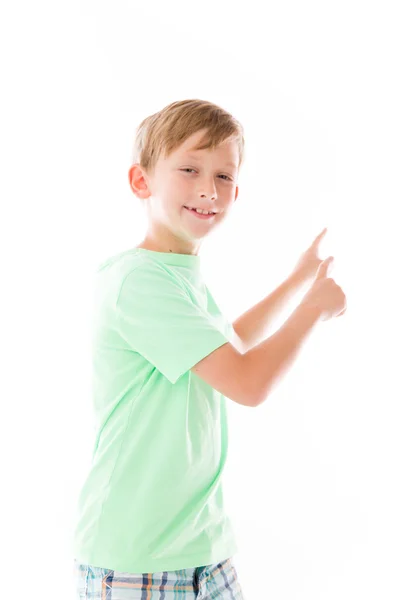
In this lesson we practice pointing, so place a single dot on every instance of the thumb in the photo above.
(323, 268)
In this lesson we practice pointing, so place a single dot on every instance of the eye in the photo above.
(189, 169)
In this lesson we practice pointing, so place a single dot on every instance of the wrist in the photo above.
(310, 310)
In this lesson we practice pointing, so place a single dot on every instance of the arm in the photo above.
(247, 375)
(252, 326)
(248, 378)
(268, 362)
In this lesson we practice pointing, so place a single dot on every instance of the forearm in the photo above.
(252, 326)
(269, 361)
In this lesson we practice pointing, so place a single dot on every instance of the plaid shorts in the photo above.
(211, 582)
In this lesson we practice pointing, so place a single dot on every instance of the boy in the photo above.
(151, 512)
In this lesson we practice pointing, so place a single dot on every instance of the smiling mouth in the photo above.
(200, 215)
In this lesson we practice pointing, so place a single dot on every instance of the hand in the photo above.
(325, 294)
(308, 264)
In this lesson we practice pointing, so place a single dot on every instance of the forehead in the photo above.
(227, 151)
(228, 163)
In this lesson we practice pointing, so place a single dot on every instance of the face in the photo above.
(205, 179)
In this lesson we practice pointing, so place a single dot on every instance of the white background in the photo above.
(312, 479)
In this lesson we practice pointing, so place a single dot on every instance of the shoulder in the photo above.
(144, 275)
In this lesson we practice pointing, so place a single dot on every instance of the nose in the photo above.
(207, 190)
(211, 194)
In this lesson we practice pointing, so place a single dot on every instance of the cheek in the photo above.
(181, 184)
(181, 192)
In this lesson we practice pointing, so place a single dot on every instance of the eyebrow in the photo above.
(228, 164)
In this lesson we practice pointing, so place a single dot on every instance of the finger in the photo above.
(323, 268)
(319, 237)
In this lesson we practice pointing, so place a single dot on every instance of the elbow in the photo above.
(255, 400)
(259, 399)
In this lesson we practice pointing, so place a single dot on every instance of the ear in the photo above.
(137, 182)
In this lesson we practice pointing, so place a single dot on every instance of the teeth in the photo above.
(204, 212)
(201, 211)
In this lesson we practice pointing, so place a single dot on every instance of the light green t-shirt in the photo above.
(153, 498)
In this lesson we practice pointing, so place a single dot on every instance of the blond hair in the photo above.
(163, 132)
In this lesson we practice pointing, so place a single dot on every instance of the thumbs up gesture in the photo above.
(325, 294)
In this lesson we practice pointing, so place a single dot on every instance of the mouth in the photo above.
(199, 215)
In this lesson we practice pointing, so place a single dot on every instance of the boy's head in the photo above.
(187, 155)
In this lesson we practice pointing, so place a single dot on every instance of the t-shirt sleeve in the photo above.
(157, 317)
